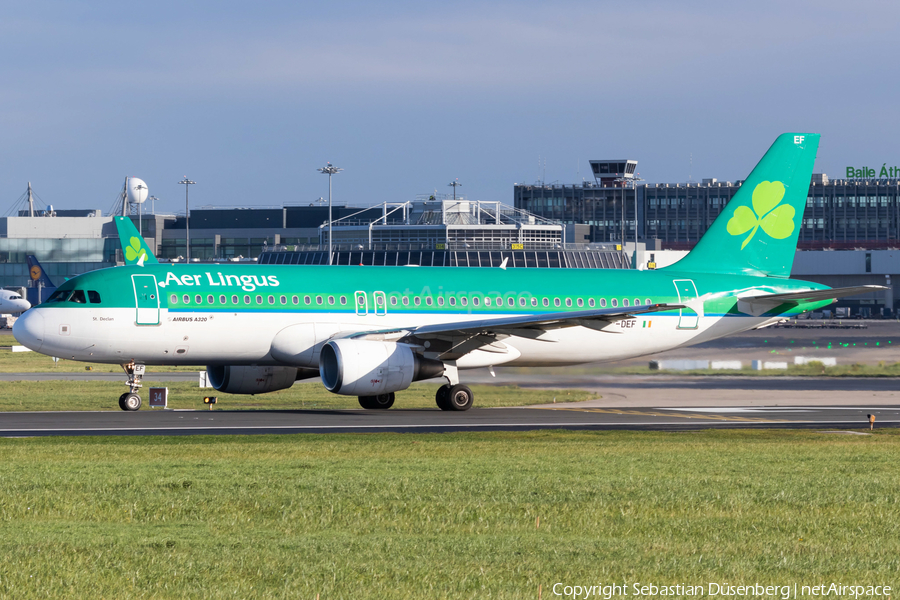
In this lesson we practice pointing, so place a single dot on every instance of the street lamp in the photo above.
(329, 170)
(454, 184)
(187, 214)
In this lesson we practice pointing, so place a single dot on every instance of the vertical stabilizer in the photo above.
(756, 233)
(134, 248)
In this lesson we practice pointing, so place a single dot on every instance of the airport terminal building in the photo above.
(850, 231)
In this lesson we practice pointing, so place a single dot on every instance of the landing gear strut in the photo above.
(453, 395)
(131, 400)
(379, 402)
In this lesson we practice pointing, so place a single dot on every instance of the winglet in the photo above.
(134, 249)
(503, 264)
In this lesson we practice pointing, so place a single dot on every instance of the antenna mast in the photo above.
(30, 201)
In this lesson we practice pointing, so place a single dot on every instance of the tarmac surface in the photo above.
(223, 422)
(640, 402)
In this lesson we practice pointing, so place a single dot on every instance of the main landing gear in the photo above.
(454, 397)
(379, 402)
(131, 400)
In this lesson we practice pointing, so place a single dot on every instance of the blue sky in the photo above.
(248, 99)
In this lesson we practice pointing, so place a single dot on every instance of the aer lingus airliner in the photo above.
(372, 331)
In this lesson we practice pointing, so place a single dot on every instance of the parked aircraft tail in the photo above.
(756, 233)
(134, 248)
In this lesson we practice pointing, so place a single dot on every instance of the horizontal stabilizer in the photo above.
(757, 305)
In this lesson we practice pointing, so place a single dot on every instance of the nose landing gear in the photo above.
(131, 400)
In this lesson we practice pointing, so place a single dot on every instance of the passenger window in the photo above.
(331, 299)
(271, 299)
(223, 300)
(499, 302)
(283, 299)
(198, 299)
(464, 301)
(569, 302)
(511, 301)
(393, 300)
(522, 302)
(246, 299)
(440, 300)
(428, 300)
(452, 301)
(603, 303)
(306, 299)
(405, 301)
(614, 303)
(580, 302)
(210, 299)
(624, 301)
(591, 302)
(259, 300)
(78, 297)
(637, 301)
(475, 301)
(487, 301)
(343, 300)
(94, 297)
(234, 299)
(647, 301)
(417, 301)
(556, 302)
(546, 302)
(295, 299)
(187, 299)
(534, 301)
(173, 299)
(318, 299)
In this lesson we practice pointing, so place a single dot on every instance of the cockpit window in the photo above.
(59, 296)
(78, 297)
(94, 297)
(15, 297)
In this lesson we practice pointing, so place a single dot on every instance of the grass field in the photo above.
(443, 516)
(99, 395)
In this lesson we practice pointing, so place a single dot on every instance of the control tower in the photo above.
(613, 173)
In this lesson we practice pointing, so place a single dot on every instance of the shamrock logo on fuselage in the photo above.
(776, 219)
(134, 251)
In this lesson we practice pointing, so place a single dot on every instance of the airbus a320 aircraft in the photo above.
(372, 331)
(12, 303)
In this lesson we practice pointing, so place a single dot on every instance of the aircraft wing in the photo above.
(452, 340)
(762, 303)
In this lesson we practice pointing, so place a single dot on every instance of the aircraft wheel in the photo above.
(130, 401)
(122, 401)
(366, 402)
(442, 397)
(460, 397)
(383, 401)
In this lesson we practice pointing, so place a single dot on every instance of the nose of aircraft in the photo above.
(22, 305)
(29, 329)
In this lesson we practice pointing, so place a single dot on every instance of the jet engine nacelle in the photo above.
(231, 379)
(368, 368)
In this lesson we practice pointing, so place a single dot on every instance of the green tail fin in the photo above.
(756, 233)
(133, 245)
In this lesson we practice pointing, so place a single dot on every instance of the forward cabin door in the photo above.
(687, 291)
(146, 299)
(380, 304)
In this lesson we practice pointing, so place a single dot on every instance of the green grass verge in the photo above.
(443, 516)
(34, 362)
(98, 395)
(813, 369)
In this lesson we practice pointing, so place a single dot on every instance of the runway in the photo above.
(572, 417)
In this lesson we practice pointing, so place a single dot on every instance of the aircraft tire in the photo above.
(460, 397)
(122, 401)
(366, 402)
(379, 402)
(442, 397)
(130, 401)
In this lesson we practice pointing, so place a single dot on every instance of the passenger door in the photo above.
(146, 299)
(362, 304)
(687, 291)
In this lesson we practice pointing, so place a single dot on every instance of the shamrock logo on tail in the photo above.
(776, 220)
(134, 251)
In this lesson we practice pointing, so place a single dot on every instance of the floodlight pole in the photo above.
(454, 184)
(187, 216)
(329, 170)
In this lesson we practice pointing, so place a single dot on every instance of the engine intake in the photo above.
(231, 379)
(369, 368)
